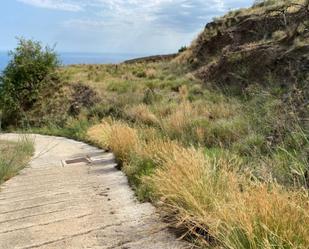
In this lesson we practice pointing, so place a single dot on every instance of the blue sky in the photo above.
(124, 26)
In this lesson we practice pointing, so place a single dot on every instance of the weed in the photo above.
(14, 156)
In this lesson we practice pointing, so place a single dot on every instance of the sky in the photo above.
(109, 26)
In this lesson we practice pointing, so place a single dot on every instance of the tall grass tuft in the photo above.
(14, 156)
(116, 136)
(222, 207)
(141, 113)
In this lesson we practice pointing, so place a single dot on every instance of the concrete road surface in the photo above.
(71, 196)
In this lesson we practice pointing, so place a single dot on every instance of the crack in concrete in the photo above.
(70, 236)
(45, 224)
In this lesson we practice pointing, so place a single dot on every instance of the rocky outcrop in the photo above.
(263, 44)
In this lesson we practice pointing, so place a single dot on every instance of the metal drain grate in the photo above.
(77, 160)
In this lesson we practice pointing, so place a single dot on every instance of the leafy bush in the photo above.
(30, 72)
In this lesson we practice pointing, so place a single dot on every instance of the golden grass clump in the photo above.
(116, 136)
(151, 73)
(163, 110)
(195, 188)
(141, 113)
(212, 198)
(183, 93)
(158, 149)
(267, 217)
(223, 110)
(180, 118)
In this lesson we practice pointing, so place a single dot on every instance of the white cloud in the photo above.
(145, 24)
(139, 11)
(54, 4)
(180, 15)
(87, 24)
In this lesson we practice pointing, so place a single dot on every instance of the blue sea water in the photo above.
(81, 58)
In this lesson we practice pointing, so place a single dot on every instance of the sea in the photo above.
(81, 58)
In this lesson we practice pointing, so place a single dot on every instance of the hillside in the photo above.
(217, 138)
(266, 44)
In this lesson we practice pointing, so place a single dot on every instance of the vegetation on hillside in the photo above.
(266, 44)
(29, 74)
(218, 138)
(14, 156)
(209, 159)
(32, 91)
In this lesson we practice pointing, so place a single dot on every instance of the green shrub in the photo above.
(29, 73)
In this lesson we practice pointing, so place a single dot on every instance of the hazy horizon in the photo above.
(71, 58)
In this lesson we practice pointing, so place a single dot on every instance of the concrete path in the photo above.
(51, 204)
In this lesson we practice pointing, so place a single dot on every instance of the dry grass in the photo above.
(213, 199)
(180, 119)
(151, 73)
(230, 198)
(141, 113)
(210, 198)
(116, 136)
(183, 117)
(228, 167)
(206, 123)
(224, 110)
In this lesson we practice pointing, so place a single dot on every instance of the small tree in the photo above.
(28, 73)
